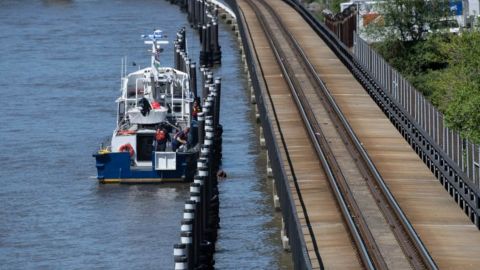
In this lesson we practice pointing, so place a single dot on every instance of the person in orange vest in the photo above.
(160, 141)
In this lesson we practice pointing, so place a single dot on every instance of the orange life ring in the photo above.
(127, 147)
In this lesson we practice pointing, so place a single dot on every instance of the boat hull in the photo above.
(116, 168)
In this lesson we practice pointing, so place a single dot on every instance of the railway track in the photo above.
(369, 209)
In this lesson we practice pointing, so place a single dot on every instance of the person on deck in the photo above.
(161, 138)
(196, 108)
(180, 139)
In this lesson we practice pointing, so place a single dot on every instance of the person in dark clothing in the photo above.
(160, 141)
(145, 106)
(180, 139)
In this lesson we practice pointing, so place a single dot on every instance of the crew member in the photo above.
(180, 139)
(196, 108)
(161, 138)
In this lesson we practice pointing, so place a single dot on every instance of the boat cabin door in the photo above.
(144, 147)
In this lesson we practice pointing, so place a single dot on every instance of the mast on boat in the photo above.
(156, 39)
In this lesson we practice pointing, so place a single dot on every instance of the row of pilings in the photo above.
(203, 16)
(182, 61)
(200, 223)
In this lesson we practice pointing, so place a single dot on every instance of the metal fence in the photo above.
(463, 152)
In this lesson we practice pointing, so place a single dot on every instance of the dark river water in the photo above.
(59, 77)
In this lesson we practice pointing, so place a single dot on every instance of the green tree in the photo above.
(414, 58)
(335, 5)
(409, 20)
(444, 67)
(463, 83)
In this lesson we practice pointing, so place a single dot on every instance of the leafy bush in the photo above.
(446, 69)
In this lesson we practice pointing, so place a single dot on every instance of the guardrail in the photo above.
(463, 152)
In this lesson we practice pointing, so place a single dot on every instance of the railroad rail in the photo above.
(302, 78)
(450, 175)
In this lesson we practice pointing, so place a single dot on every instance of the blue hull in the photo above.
(115, 168)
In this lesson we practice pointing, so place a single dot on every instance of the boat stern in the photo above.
(118, 167)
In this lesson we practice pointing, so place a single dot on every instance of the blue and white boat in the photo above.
(150, 98)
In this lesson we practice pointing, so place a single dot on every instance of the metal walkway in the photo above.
(364, 199)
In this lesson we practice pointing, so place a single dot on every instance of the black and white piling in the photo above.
(203, 16)
(200, 223)
(180, 58)
(182, 61)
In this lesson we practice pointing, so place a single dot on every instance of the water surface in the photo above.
(59, 77)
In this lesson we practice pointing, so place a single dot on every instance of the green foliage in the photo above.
(335, 5)
(445, 68)
(458, 88)
(463, 112)
(413, 58)
(409, 20)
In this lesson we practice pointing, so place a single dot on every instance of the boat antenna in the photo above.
(156, 39)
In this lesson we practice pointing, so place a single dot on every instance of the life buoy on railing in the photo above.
(127, 147)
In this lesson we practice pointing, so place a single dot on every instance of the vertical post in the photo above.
(216, 51)
(186, 239)
(176, 51)
(203, 52)
(189, 11)
(193, 78)
(195, 195)
(208, 45)
(181, 263)
(201, 127)
(218, 90)
(186, 66)
(197, 14)
(211, 99)
(202, 164)
(202, 12)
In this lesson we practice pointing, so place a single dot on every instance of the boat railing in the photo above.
(132, 101)
(106, 144)
(136, 89)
